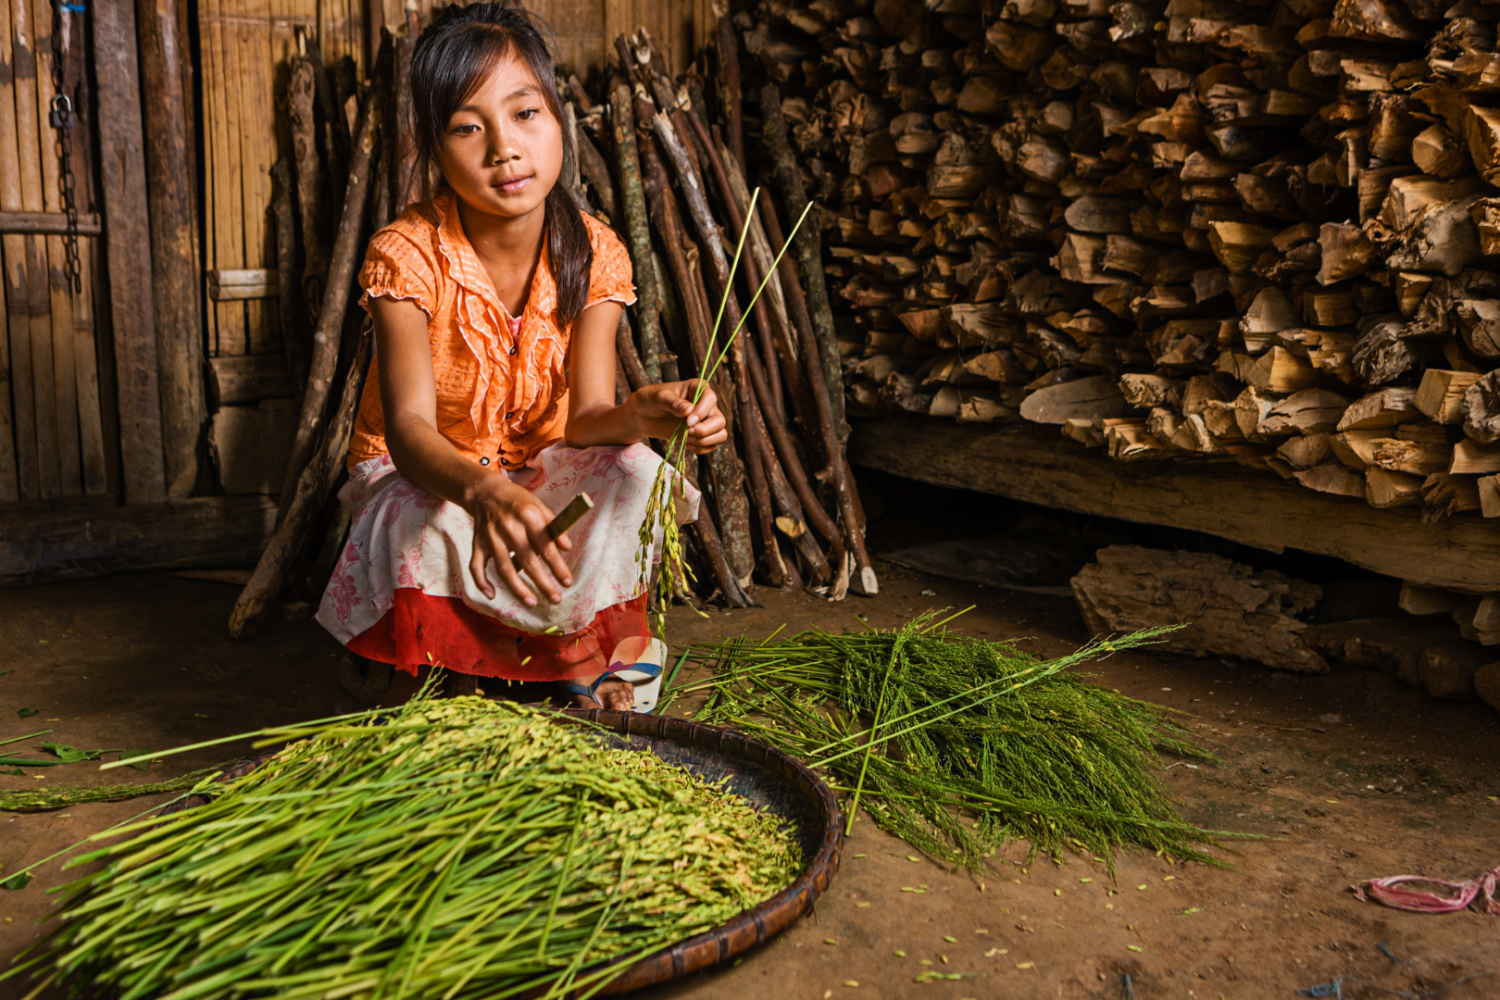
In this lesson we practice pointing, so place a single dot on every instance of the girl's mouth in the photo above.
(513, 186)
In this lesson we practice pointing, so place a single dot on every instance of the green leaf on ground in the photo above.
(20, 762)
(27, 713)
(139, 765)
(15, 772)
(71, 755)
(17, 881)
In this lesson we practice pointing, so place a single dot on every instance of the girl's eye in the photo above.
(466, 130)
(528, 114)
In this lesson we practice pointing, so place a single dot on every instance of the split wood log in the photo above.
(1227, 608)
(123, 185)
(315, 482)
(342, 269)
(1482, 409)
(1441, 395)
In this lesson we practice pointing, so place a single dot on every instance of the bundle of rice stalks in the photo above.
(458, 849)
(958, 745)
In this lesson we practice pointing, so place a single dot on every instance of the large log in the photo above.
(1225, 608)
(75, 540)
(1033, 465)
(174, 256)
(122, 170)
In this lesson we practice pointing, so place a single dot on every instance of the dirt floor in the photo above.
(1348, 776)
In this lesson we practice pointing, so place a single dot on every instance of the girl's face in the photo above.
(502, 150)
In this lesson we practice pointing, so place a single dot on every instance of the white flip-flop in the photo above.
(636, 661)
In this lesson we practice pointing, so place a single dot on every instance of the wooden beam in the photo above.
(84, 538)
(127, 233)
(1037, 465)
(174, 251)
(48, 223)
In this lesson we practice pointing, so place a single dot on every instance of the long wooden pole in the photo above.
(341, 273)
(729, 85)
(638, 234)
(174, 262)
(122, 164)
(807, 248)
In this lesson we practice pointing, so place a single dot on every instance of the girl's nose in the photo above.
(503, 147)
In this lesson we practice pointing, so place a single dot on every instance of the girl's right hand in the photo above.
(508, 519)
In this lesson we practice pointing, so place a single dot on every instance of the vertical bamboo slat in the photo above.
(224, 208)
(257, 151)
(59, 283)
(38, 304)
(17, 281)
(123, 180)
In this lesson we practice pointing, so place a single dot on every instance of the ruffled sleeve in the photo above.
(611, 274)
(398, 266)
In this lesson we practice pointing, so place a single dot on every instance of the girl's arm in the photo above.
(506, 517)
(653, 411)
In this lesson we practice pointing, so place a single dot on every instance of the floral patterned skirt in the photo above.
(402, 592)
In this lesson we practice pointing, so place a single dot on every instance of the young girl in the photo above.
(491, 403)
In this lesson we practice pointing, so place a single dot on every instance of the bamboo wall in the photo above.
(244, 46)
(51, 435)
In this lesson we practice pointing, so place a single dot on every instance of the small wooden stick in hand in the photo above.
(565, 519)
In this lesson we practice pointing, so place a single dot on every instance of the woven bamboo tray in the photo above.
(768, 778)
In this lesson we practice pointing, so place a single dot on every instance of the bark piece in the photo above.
(1228, 609)
(1482, 409)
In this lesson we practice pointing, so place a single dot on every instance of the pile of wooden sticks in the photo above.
(675, 187)
(646, 162)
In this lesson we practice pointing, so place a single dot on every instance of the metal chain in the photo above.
(63, 119)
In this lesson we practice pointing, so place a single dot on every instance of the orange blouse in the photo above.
(502, 383)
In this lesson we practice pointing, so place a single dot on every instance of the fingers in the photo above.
(544, 563)
(708, 433)
(490, 537)
(477, 559)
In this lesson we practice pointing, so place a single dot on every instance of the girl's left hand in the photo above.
(661, 409)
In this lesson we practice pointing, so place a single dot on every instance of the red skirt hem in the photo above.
(422, 631)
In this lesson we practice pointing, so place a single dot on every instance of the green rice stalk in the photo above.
(60, 797)
(959, 745)
(455, 848)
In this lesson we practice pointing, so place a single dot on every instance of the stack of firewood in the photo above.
(1180, 229)
(643, 158)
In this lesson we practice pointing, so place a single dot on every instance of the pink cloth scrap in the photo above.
(1392, 891)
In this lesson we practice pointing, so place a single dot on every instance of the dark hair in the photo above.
(451, 59)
